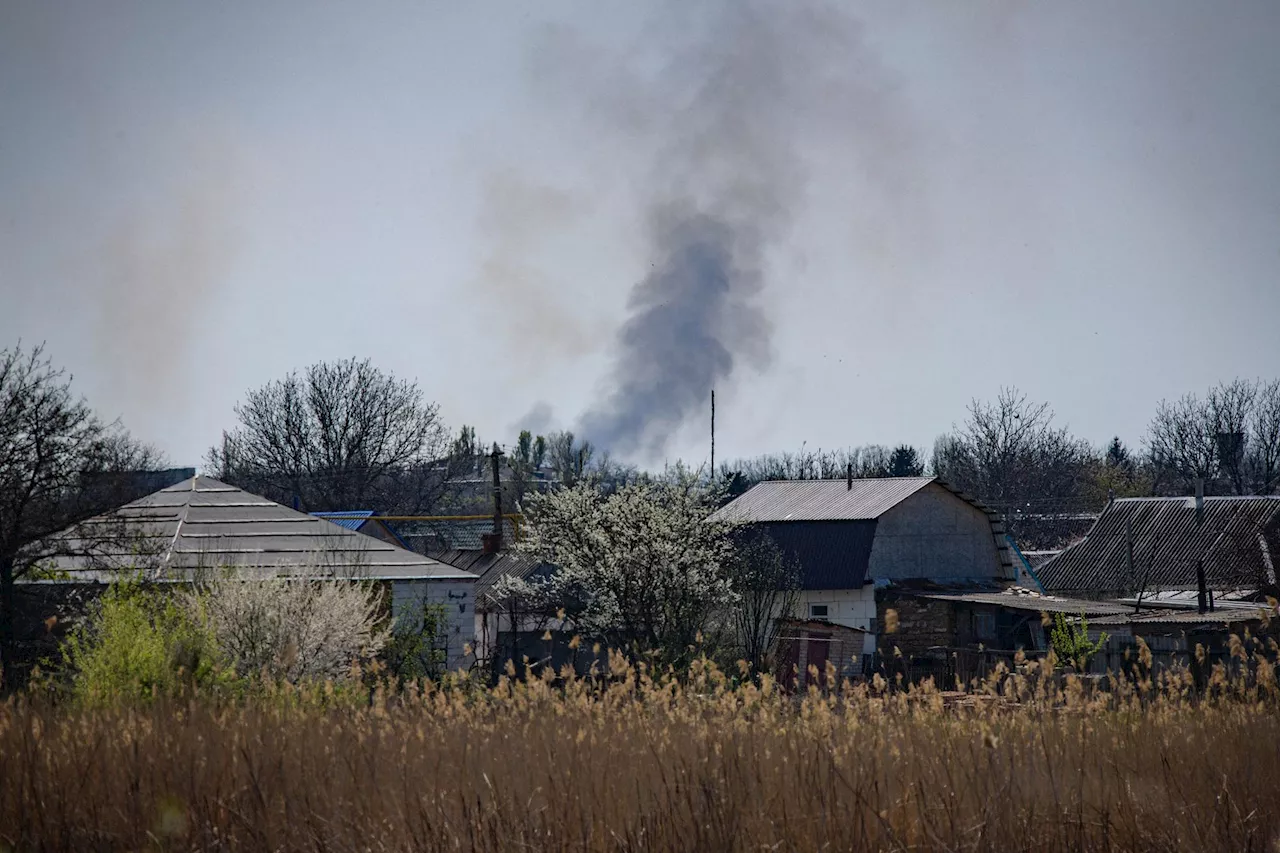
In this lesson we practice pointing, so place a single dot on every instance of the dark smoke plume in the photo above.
(746, 91)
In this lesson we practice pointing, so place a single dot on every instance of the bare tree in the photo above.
(768, 588)
(1264, 438)
(1009, 451)
(1230, 438)
(866, 462)
(59, 465)
(1181, 442)
(338, 436)
(569, 458)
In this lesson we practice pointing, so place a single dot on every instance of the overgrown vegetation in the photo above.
(139, 642)
(633, 761)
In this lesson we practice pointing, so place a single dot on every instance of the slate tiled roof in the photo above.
(204, 524)
(821, 500)
(1238, 541)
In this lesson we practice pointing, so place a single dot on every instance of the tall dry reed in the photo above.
(632, 763)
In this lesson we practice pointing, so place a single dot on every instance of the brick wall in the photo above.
(921, 623)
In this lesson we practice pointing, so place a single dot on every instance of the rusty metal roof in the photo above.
(821, 500)
(204, 524)
(1237, 541)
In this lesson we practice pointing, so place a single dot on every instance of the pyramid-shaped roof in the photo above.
(204, 524)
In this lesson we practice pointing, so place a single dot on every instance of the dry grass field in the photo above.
(630, 763)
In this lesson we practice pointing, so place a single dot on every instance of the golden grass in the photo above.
(630, 763)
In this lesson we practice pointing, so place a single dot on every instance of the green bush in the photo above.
(138, 643)
(1071, 643)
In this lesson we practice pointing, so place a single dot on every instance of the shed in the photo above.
(849, 534)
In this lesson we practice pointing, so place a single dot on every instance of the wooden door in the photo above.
(819, 652)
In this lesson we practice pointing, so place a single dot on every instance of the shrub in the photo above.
(137, 643)
(1071, 642)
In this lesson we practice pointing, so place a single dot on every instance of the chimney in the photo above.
(848, 473)
(490, 543)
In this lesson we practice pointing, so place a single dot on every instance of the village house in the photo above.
(868, 547)
(202, 525)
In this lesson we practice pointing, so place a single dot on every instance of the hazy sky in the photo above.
(1080, 199)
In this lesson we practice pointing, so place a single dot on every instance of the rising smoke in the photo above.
(746, 93)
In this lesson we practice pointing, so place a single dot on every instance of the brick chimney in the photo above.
(490, 543)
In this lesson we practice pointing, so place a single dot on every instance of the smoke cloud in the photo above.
(746, 97)
(161, 267)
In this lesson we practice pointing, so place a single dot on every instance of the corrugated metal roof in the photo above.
(353, 520)
(821, 500)
(1020, 598)
(1237, 541)
(1185, 618)
(204, 524)
(832, 554)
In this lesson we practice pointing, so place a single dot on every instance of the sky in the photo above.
(849, 219)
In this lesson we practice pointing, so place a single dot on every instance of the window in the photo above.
(984, 626)
(817, 611)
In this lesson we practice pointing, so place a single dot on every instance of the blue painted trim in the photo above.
(1013, 546)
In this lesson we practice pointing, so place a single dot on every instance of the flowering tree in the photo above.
(292, 628)
(642, 569)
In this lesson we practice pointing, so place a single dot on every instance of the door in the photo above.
(819, 652)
